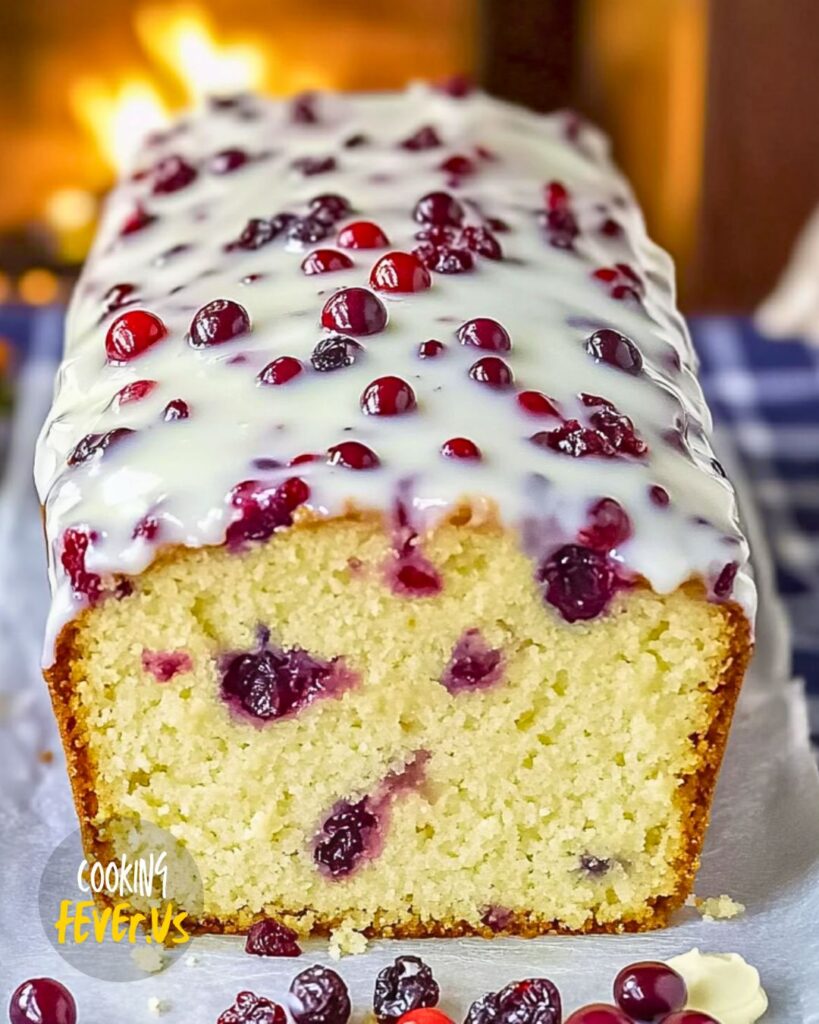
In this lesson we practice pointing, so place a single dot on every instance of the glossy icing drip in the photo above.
(177, 470)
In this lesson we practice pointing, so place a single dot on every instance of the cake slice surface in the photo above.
(393, 572)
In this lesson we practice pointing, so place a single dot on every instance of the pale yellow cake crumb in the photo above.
(158, 1006)
(346, 941)
(150, 959)
(719, 908)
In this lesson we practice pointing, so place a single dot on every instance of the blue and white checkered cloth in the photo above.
(763, 394)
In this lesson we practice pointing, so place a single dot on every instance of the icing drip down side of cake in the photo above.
(399, 302)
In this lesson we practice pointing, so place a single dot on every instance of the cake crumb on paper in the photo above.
(150, 959)
(191, 960)
(158, 1006)
(719, 908)
(346, 941)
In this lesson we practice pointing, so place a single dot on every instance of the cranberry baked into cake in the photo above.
(392, 569)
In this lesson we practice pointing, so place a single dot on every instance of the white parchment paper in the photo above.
(762, 848)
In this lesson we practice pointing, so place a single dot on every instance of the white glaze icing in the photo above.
(723, 985)
(184, 470)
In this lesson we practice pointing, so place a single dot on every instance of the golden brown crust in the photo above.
(696, 793)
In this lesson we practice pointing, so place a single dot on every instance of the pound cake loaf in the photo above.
(393, 572)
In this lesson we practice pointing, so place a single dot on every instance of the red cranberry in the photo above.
(172, 174)
(659, 495)
(649, 990)
(458, 87)
(117, 296)
(272, 683)
(176, 409)
(599, 1013)
(614, 348)
(533, 1001)
(42, 1001)
(263, 509)
(535, 403)
(561, 228)
(457, 165)
(280, 371)
(131, 334)
(610, 228)
(483, 242)
(354, 311)
(405, 985)
(431, 349)
(137, 220)
(414, 577)
(271, 938)
(303, 109)
(134, 392)
(555, 196)
(444, 259)
(473, 665)
(312, 165)
(621, 281)
(578, 581)
(325, 261)
(362, 234)
(617, 429)
(166, 665)
(329, 207)
(93, 445)
(400, 272)
(438, 208)
(572, 438)
(387, 396)
(252, 1009)
(319, 997)
(460, 448)
(261, 231)
(346, 838)
(425, 138)
(352, 455)
(217, 322)
(608, 527)
(497, 225)
(227, 160)
(493, 372)
(425, 1015)
(76, 543)
(689, 1017)
(724, 583)
(147, 528)
(335, 353)
(482, 332)
(307, 230)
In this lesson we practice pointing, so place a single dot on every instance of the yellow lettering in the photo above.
(80, 918)
(161, 933)
(118, 930)
(100, 919)
(177, 923)
(136, 920)
(64, 920)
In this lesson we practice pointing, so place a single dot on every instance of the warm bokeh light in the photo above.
(5, 287)
(38, 286)
(118, 117)
(70, 209)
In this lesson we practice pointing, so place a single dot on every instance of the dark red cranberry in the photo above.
(493, 372)
(261, 231)
(147, 528)
(272, 683)
(42, 1001)
(482, 332)
(252, 1009)
(133, 392)
(415, 577)
(264, 509)
(280, 371)
(497, 225)
(307, 230)
(303, 109)
(599, 1013)
(354, 311)
(621, 282)
(460, 448)
(117, 296)
(346, 838)
(356, 140)
(217, 322)
(325, 261)
(131, 334)
(473, 665)
(95, 445)
(405, 985)
(176, 409)
(610, 228)
(137, 220)
(312, 165)
(535, 403)
(561, 228)
(227, 160)
(659, 495)
(555, 196)
(608, 526)
(498, 919)
(319, 997)
(438, 234)
(594, 866)
(458, 87)
(438, 208)
(352, 455)
(483, 242)
(334, 353)
(616, 428)
(649, 990)
(431, 349)
(724, 583)
(271, 938)
(578, 581)
(166, 665)
(362, 234)
(172, 174)
(400, 272)
(614, 348)
(444, 259)
(329, 207)
(572, 438)
(534, 1001)
(425, 138)
(76, 543)
(689, 1017)
(387, 396)
(457, 165)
